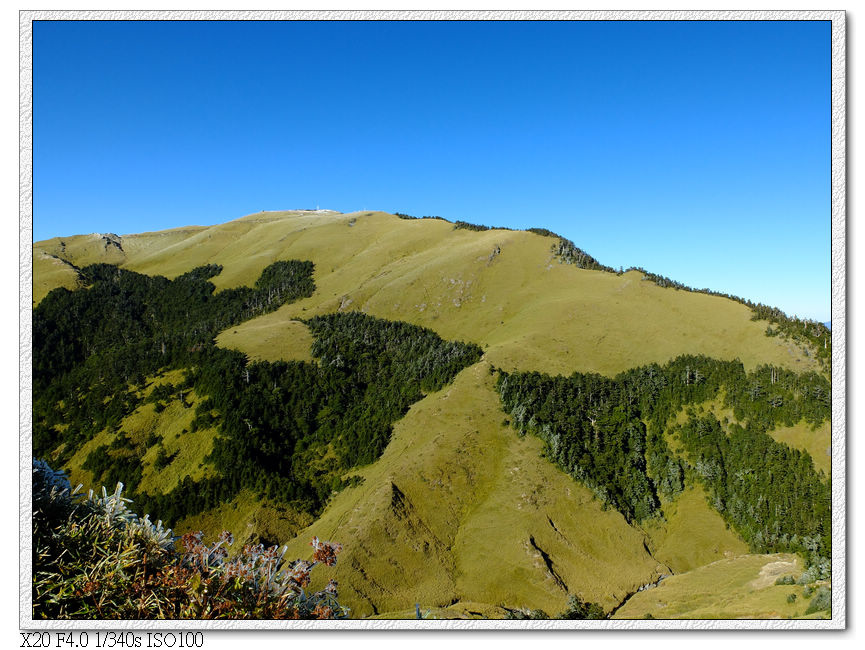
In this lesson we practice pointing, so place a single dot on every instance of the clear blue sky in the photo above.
(700, 151)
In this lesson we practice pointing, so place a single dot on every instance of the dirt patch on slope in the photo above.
(771, 572)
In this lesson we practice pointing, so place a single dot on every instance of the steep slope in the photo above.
(50, 272)
(168, 428)
(504, 289)
(691, 534)
(460, 511)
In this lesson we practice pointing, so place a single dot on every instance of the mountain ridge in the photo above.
(527, 311)
(173, 252)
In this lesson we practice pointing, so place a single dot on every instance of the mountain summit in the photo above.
(490, 421)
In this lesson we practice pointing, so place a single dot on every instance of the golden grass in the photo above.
(459, 514)
(739, 587)
(527, 309)
(459, 508)
(270, 338)
(169, 425)
(817, 442)
(84, 477)
(50, 272)
(251, 520)
(692, 533)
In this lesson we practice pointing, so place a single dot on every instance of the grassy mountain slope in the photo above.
(459, 512)
(460, 509)
(186, 450)
(738, 587)
(691, 534)
(531, 311)
(817, 442)
(50, 272)
(269, 338)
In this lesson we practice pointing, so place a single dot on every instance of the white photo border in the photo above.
(839, 325)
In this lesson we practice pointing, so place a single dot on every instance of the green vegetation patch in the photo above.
(289, 431)
(595, 430)
(454, 490)
(94, 347)
(569, 253)
(767, 491)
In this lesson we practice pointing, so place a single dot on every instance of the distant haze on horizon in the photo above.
(696, 150)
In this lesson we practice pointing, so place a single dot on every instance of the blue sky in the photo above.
(697, 150)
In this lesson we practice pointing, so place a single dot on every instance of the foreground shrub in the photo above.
(93, 558)
(525, 614)
(576, 610)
